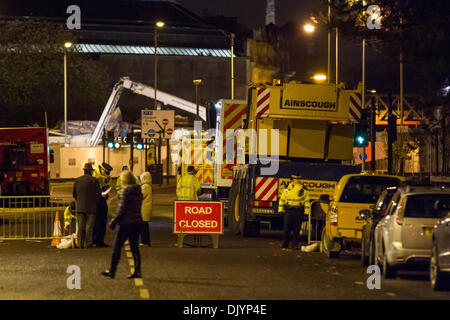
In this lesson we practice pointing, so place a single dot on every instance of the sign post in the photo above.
(198, 217)
(154, 122)
(159, 124)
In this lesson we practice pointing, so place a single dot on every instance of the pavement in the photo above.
(240, 269)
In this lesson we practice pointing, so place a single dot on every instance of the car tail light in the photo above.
(334, 216)
(383, 212)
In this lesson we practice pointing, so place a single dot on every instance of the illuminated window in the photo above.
(147, 50)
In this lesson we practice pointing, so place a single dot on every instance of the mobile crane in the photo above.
(293, 128)
(139, 88)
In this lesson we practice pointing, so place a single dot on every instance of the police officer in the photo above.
(189, 186)
(295, 203)
(102, 173)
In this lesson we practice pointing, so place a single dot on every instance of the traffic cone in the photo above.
(57, 234)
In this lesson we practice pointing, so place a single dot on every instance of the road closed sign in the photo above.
(198, 217)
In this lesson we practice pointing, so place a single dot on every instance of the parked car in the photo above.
(440, 255)
(354, 192)
(404, 236)
(372, 218)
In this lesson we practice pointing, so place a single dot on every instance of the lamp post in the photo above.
(232, 65)
(67, 45)
(158, 25)
(310, 28)
(363, 94)
(197, 82)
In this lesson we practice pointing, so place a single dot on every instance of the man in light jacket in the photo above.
(147, 207)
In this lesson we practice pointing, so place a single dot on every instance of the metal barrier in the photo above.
(30, 218)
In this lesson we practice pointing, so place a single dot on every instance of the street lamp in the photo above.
(319, 77)
(197, 82)
(67, 45)
(158, 25)
(309, 28)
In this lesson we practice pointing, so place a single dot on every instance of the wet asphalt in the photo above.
(240, 269)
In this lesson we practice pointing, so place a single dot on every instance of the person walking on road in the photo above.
(295, 203)
(102, 173)
(189, 186)
(129, 219)
(147, 207)
(86, 192)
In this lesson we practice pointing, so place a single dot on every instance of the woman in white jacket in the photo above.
(147, 206)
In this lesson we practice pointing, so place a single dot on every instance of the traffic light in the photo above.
(361, 137)
(110, 139)
(392, 127)
(138, 142)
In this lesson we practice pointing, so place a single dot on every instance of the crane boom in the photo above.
(145, 90)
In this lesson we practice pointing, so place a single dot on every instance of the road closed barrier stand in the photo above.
(198, 218)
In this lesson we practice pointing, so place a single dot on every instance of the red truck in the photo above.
(24, 161)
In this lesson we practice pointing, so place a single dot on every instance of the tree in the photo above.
(417, 29)
(32, 75)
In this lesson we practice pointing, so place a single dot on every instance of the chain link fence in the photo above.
(31, 218)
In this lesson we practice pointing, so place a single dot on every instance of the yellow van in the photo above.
(354, 192)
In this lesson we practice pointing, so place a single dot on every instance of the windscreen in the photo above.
(366, 189)
(14, 156)
(427, 206)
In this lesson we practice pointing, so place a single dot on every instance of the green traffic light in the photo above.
(360, 139)
(110, 145)
(139, 146)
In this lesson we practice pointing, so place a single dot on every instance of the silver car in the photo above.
(404, 235)
(440, 255)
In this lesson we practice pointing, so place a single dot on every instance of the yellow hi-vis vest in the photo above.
(68, 216)
(103, 179)
(295, 195)
(188, 187)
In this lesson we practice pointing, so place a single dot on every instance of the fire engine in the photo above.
(24, 161)
(283, 129)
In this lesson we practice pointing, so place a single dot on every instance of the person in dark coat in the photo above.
(129, 219)
(86, 191)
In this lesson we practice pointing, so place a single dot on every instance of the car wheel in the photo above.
(389, 271)
(233, 210)
(439, 280)
(329, 247)
(247, 228)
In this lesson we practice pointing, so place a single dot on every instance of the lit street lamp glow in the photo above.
(159, 24)
(68, 45)
(320, 77)
(309, 28)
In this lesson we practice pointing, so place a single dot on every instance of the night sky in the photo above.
(251, 13)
